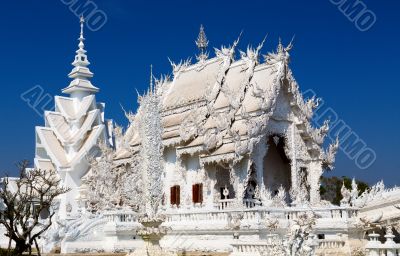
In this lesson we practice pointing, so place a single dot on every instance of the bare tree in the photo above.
(25, 200)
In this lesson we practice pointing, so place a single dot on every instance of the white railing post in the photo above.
(390, 244)
(373, 245)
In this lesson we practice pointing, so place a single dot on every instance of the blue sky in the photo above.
(354, 72)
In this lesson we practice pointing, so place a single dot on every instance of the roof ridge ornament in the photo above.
(151, 79)
(281, 54)
(280, 47)
(202, 44)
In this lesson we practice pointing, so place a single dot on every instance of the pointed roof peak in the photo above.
(280, 46)
(151, 77)
(285, 49)
(80, 73)
(202, 44)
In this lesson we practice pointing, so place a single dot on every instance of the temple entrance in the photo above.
(223, 187)
(277, 169)
(249, 193)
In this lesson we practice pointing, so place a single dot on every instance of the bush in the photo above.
(330, 189)
(5, 252)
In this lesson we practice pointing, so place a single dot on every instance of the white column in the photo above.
(315, 172)
(293, 156)
(260, 153)
(68, 203)
(210, 198)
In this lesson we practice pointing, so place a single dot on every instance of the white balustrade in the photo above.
(330, 244)
(225, 204)
(254, 248)
(121, 216)
(252, 216)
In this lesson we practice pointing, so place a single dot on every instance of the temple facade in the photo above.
(223, 152)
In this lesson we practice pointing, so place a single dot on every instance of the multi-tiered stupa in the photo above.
(72, 131)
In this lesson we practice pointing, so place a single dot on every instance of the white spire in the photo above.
(81, 38)
(151, 76)
(80, 73)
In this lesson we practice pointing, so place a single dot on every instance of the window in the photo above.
(176, 195)
(321, 236)
(197, 193)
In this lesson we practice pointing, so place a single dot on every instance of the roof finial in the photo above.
(151, 77)
(202, 44)
(280, 46)
(81, 38)
(80, 57)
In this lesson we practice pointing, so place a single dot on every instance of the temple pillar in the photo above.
(293, 157)
(258, 160)
(210, 191)
(314, 175)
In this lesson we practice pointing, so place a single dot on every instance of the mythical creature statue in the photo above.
(297, 242)
(234, 223)
(346, 194)
(271, 223)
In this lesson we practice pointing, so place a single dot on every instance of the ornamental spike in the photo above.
(202, 44)
(151, 77)
(81, 37)
(280, 46)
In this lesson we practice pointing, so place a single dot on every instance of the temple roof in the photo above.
(219, 107)
(190, 85)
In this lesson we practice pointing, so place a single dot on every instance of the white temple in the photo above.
(225, 150)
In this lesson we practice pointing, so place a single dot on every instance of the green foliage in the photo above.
(331, 186)
(5, 252)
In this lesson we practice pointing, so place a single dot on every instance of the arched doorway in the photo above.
(277, 169)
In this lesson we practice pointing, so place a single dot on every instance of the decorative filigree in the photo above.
(281, 54)
(372, 194)
(181, 66)
(298, 241)
(329, 156)
(150, 131)
(202, 44)
(101, 192)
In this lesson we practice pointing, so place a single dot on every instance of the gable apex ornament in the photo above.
(202, 44)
